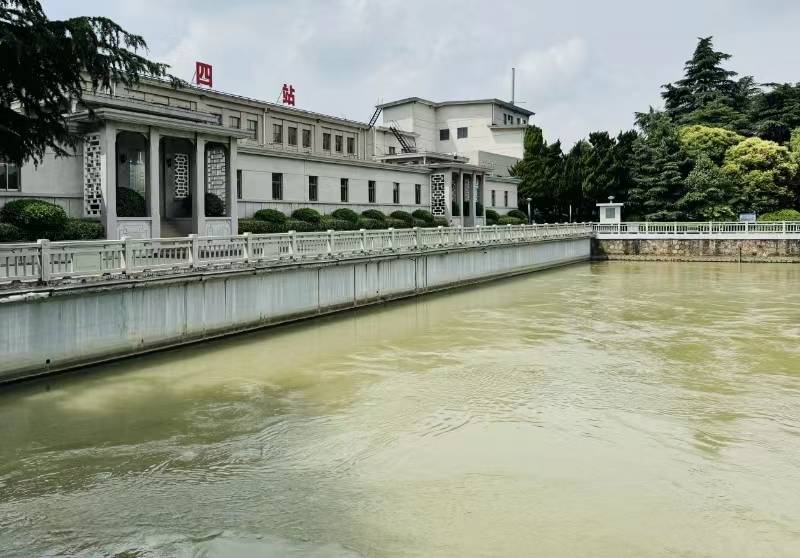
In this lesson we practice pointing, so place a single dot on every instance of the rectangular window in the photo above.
(218, 116)
(611, 213)
(313, 188)
(505, 199)
(277, 133)
(9, 177)
(351, 145)
(252, 127)
(444, 134)
(396, 193)
(234, 122)
(461, 133)
(417, 194)
(392, 150)
(371, 191)
(338, 141)
(277, 186)
(291, 135)
(519, 120)
(345, 189)
(494, 198)
(306, 138)
(239, 184)
(326, 141)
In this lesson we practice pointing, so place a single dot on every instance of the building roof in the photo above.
(434, 104)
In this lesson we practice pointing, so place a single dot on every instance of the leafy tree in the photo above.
(776, 111)
(45, 65)
(709, 192)
(700, 140)
(763, 170)
(541, 173)
(574, 172)
(602, 174)
(623, 155)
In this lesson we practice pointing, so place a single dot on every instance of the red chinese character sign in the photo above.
(203, 74)
(288, 95)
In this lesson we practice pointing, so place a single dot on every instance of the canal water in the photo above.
(608, 409)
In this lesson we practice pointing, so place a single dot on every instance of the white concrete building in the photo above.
(171, 144)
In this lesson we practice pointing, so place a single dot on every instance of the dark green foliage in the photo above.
(781, 215)
(43, 64)
(333, 224)
(423, 215)
(215, 207)
(517, 214)
(371, 224)
(419, 223)
(10, 233)
(257, 226)
(302, 226)
(509, 220)
(440, 222)
(36, 218)
(83, 229)
(404, 216)
(373, 214)
(270, 216)
(306, 214)
(130, 203)
(709, 193)
(492, 216)
(392, 223)
(345, 214)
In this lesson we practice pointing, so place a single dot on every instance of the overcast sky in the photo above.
(581, 65)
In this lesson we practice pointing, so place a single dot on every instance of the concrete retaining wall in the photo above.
(72, 326)
(723, 250)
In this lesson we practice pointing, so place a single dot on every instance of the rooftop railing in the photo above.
(766, 229)
(45, 261)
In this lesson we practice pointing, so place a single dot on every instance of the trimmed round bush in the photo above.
(306, 214)
(440, 222)
(257, 226)
(422, 224)
(393, 223)
(345, 214)
(371, 224)
(423, 215)
(10, 233)
(130, 203)
(215, 207)
(331, 223)
(373, 214)
(509, 220)
(270, 216)
(34, 215)
(491, 216)
(83, 229)
(302, 226)
(518, 214)
(781, 215)
(404, 216)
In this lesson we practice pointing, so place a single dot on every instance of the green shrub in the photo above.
(34, 216)
(371, 224)
(404, 216)
(491, 216)
(130, 203)
(508, 220)
(781, 215)
(10, 233)
(516, 213)
(257, 226)
(302, 226)
(83, 229)
(345, 214)
(215, 207)
(423, 215)
(270, 216)
(422, 224)
(306, 214)
(393, 223)
(440, 222)
(331, 223)
(373, 214)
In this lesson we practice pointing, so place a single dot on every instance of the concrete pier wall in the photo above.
(66, 327)
(698, 249)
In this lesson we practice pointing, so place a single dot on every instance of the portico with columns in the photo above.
(463, 193)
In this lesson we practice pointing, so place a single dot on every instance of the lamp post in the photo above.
(530, 215)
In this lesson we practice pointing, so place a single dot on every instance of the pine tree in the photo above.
(602, 179)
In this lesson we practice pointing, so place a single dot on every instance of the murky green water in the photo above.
(617, 409)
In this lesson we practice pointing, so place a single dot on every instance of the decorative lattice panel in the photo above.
(93, 178)
(438, 204)
(180, 175)
(216, 172)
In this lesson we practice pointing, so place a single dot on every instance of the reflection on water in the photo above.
(621, 409)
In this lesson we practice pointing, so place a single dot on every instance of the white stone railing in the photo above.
(706, 229)
(45, 261)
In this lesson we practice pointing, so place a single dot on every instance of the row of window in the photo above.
(344, 189)
(461, 133)
(508, 119)
(494, 198)
(236, 122)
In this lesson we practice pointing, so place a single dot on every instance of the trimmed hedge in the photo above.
(373, 214)
(404, 216)
(301, 226)
(422, 215)
(492, 216)
(306, 214)
(508, 220)
(518, 215)
(130, 203)
(440, 222)
(84, 229)
(331, 223)
(371, 224)
(10, 233)
(33, 215)
(393, 223)
(257, 226)
(270, 216)
(215, 207)
(345, 214)
(781, 215)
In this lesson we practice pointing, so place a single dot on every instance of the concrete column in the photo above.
(110, 194)
(233, 203)
(154, 181)
(199, 188)
(473, 205)
(460, 196)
